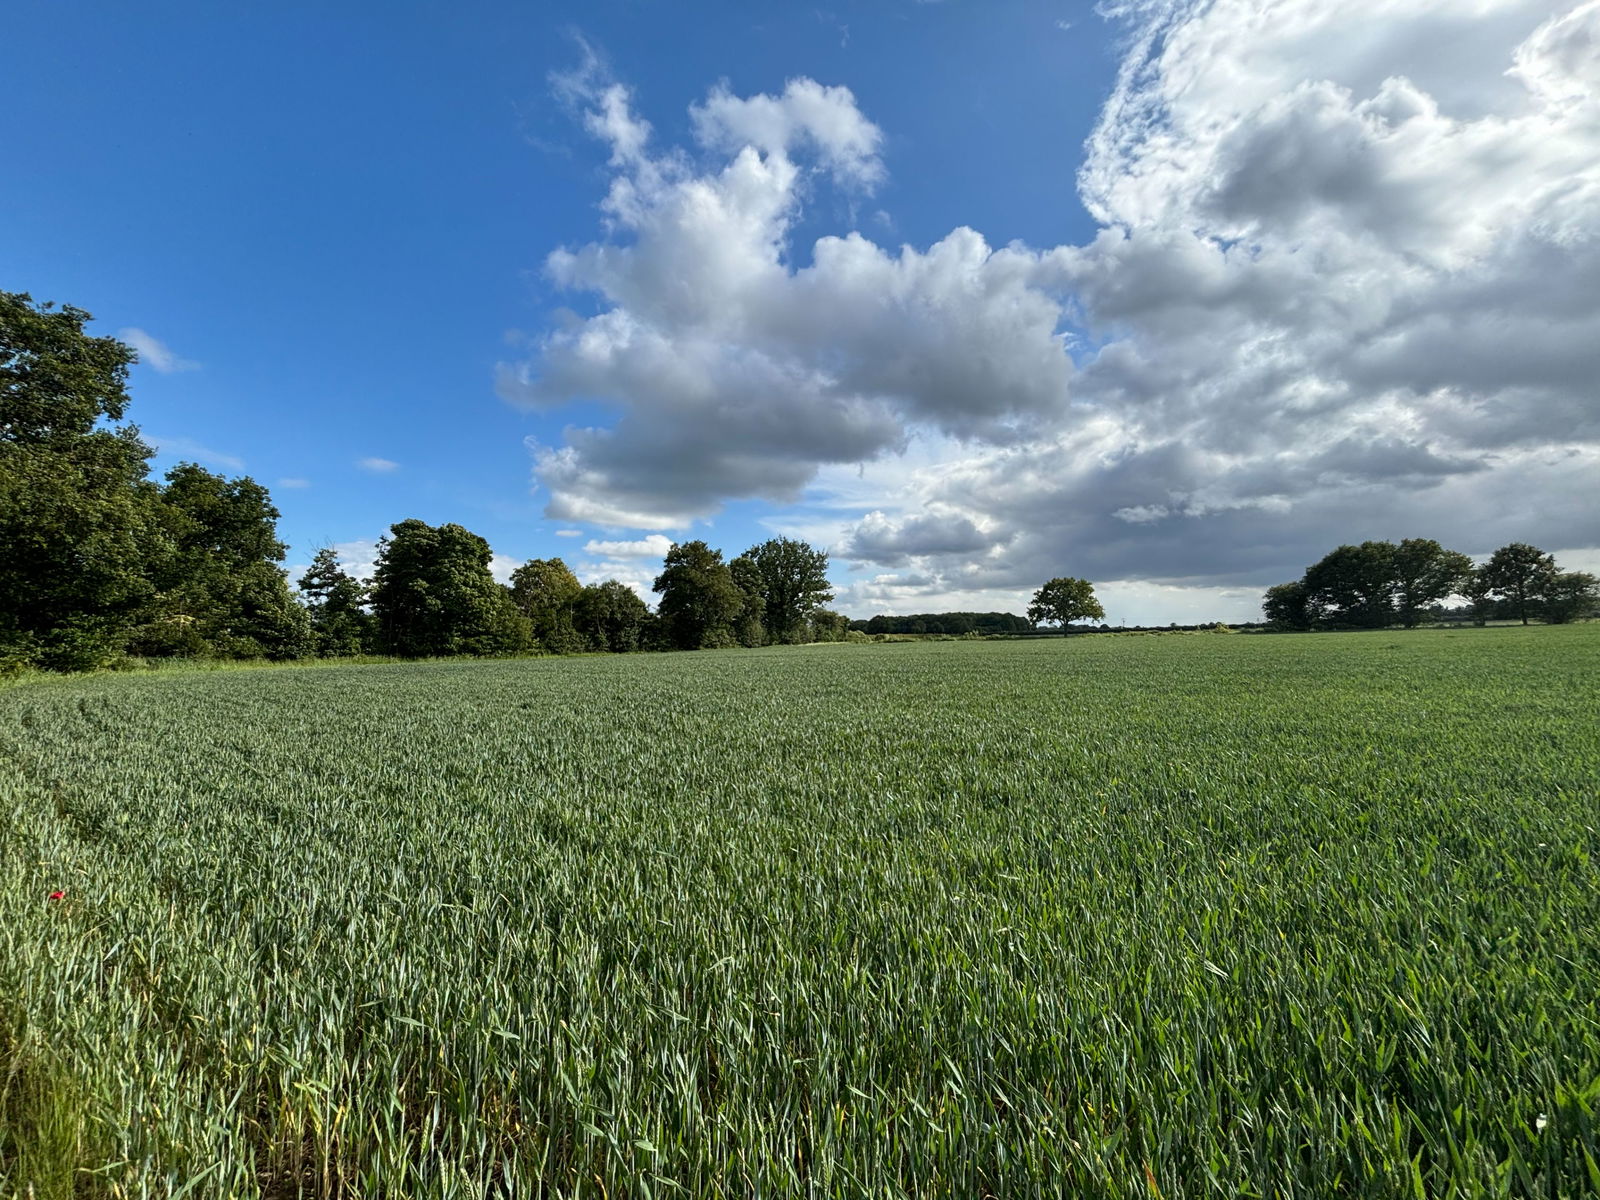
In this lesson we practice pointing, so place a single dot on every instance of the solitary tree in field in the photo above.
(1063, 601)
(1519, 574)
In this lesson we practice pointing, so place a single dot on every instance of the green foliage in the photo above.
(547, 592)
(1355, 585)
(1089, 917)
(609, 616)
(790, 580)
(432, 594)
(700, 602)
(825, 625)
(1425, 573)
(1570, 596)
(949, 622)
(1519, 575)
(1290, 606)
(336, 603)
(750, 628)
(76, 516)
(1371, 586)
(219, 589)
(1064, 600)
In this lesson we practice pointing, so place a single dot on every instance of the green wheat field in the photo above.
(1184, 915)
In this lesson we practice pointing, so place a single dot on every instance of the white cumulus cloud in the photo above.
(654, 546)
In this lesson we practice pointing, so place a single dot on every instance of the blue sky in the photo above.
(331, 226)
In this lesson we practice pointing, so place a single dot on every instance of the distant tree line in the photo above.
(1378, 584)
(951, 623)
(101, 562)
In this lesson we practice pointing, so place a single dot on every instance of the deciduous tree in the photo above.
(1355, 584)
(77, 514)
(1064, 600)
(1290, 606)
(1519, 575)
(1424, 574)
(433, 594)
(1570, 596)
(699, 599)
(220, 589)
(609, 616)
(792, 578)
(749, 628)
(547, 593)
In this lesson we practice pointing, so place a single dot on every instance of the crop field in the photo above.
(1184, 915)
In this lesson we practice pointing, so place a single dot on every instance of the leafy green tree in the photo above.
(609, 616)
(77, 514)
(337, 604)
(1290, 606)
(825, 625)
(1519, 575)
(749, 629)
(1571, 596)
(1063, 600)
(1355, 584)
(433, 594)
(1424, 574)
(699, 599)
(547, 593)
(220, 589)
(1477, 591)
(792, 581)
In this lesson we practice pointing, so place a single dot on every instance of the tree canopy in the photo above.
(337, 604)
(790, 579)
(100, 561)
(78, 518)
(1378, 583)
(433, 594)
(547, 593)
(1063, 600)
(699, 599)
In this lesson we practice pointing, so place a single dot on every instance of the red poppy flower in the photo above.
(58, 895)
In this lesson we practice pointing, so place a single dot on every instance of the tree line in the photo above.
(432, 594)
(102, 562)
(950, 624)
(1378, 584)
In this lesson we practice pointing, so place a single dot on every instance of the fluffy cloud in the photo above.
(502, 565)
(654, 546)
(737, 374)
(377, 466)
(1345, 287)
(155, 353)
